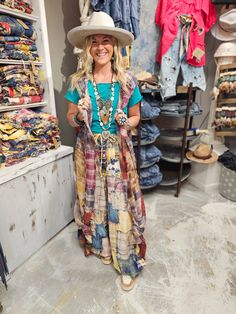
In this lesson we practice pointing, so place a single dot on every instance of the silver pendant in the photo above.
(105, 134)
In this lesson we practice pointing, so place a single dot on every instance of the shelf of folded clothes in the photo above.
(177, 108)
(172, 153)
(149, 155)
(25, 133)
(4, 108)
(225, 121)
(150, 90)
(19, 62)
(226, 132)
(174, 134)
(150, 177)
(149, 133)
(17, 13)
(21, 86)
(18, 39)
(149, 108)
(170, 172)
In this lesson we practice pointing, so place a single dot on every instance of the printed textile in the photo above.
(110, 209)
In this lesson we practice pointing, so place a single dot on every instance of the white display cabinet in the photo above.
(38, 194)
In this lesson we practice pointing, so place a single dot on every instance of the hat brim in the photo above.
(222, 35)
(77, 35)
(210, 160)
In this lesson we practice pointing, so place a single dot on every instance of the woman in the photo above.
(104, 105)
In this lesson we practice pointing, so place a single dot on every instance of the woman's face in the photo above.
(101, 49)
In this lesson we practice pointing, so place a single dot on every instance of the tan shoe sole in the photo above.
(127, 287)
(106, 261)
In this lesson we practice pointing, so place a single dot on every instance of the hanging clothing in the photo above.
(171, 63)
(110, 209)
(125, 13)
(168, 18)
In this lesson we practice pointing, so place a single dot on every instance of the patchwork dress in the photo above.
(110, 210)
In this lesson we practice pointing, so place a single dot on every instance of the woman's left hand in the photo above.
(121, 118)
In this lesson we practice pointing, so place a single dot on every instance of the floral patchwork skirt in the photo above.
(110, 211)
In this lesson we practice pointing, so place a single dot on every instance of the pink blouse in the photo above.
(167, 17)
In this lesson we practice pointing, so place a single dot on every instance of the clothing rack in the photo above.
(188, 121)
(187, 124)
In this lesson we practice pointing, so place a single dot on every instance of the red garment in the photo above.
(203, 15)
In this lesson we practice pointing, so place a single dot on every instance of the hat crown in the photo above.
(203, 151)
(225, 26)
(227, 21)
(226, 49)
(100, 19)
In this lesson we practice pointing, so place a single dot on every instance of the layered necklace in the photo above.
(104, 107)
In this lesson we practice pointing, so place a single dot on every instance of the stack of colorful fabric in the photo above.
(20, 84)
(25, 133)
(21, 5)
(17, 39)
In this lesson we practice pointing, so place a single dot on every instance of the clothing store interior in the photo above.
(125, 204)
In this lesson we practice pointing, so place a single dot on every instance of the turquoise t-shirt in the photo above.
(104, 90)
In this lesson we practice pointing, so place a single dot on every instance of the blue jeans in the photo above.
(170, 67)
(150, 176)
(149, 154)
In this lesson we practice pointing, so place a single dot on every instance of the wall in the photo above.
(62, 15)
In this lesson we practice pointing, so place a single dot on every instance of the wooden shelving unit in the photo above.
(226, 100)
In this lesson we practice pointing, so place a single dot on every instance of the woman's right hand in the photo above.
(83, 104)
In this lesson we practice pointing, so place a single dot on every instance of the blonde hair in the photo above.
(88, 64)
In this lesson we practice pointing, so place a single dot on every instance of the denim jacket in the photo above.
(125, 13)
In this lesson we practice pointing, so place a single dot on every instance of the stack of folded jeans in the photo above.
(149, 155)
(150, 176)
(172, 153)
(149, 108)
(178, 108)
(26, 133)
(17, 39)
(149, 132)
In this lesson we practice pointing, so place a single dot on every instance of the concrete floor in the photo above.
(191, 265)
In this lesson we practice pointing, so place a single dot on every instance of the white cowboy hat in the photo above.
(225, 53)
(99, 23)
(225, 27)
(227, 49)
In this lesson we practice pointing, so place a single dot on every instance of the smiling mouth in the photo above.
(101, 55)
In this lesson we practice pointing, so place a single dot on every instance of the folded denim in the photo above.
(148, 111)
(179, 107)
(149, 155)
(151, 100)
(148, 133)
(150, 176)
(12, 26)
